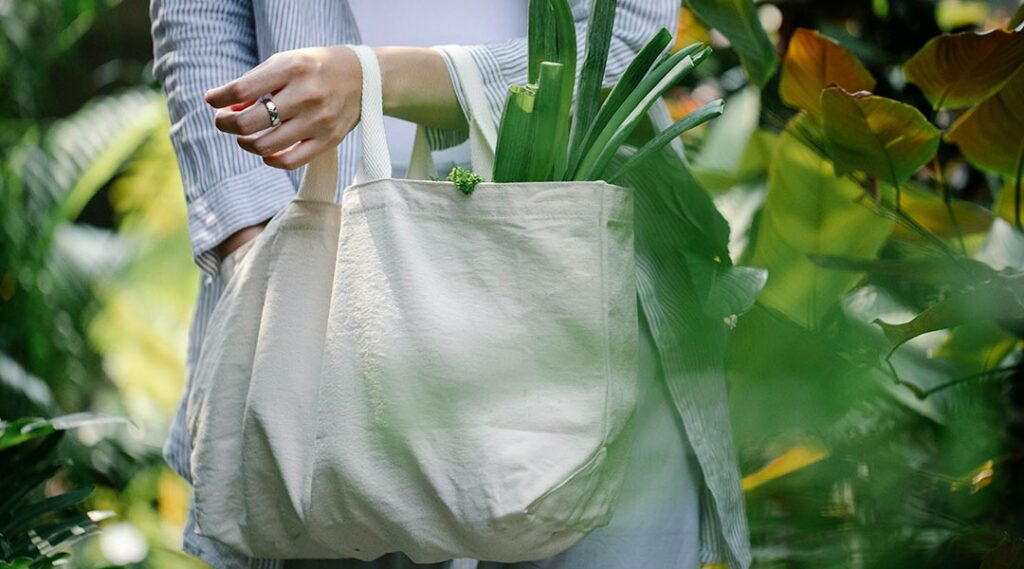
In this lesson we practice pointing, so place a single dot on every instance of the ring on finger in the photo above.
(271, 106)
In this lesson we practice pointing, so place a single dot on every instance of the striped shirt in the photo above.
(200, 44)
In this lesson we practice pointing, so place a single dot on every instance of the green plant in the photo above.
(39, 515)
(534, 142)
(463, 179)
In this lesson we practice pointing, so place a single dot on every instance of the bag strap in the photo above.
(321, 178)
(483, 133)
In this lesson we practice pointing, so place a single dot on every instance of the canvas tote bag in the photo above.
(420, 370)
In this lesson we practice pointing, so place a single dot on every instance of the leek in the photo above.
(599, 34)
(627, 116)
(543, 136)
(515, 135)
(701, 115)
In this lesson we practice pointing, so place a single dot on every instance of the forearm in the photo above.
(418, 88)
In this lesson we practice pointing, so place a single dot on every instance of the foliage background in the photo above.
(856, 454)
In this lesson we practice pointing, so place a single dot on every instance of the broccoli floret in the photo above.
(464, 180)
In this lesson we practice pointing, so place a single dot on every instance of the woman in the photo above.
(678, 507)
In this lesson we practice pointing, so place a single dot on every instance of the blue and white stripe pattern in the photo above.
(200, 44)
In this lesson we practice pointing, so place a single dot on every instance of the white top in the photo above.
(425, 24)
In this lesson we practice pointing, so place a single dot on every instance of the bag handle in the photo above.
(321, 178)
(483, 132)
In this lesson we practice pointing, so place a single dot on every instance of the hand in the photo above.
(317, 91)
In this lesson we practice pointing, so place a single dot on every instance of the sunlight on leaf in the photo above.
(957, 70)
(991, 135)
(794, 459)
(809, 210)
(951, 14)
(882, 137)
(931, 212)
(1001, 298)
(814, 62)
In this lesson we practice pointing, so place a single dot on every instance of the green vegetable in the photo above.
(703, 114)
(534, 135)
(635, 72)
(464, 180)
(599, 34)
(515, 136)
(549, 117)
(626, 117)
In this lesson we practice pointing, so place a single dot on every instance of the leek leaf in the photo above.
(599, 34)
(633, 110)
(515, 133)
(701, 115)
(634, 73)
(547, 118)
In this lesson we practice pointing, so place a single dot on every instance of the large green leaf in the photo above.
(935, 271)
(991, 135)
(811, 211)
(83, 152)
(737, 20)
(941, 217)
(883, 137)
(999, 299)
(814, 62)
(957, 70)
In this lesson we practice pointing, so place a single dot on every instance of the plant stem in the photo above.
(947, 200)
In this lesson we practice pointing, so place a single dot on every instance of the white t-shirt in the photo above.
(437, 22)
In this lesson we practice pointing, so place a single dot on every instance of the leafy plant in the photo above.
(533, 137)
(37, 522)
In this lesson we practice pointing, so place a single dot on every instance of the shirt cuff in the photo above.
(244, 199)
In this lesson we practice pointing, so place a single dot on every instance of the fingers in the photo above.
(254, 118)
(274, 140)
(266, 77)
(298, 155)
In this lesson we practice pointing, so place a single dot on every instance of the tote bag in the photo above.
(420, 370)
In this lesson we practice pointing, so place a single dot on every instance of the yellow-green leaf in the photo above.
(882, 137)
(958, 70)
(1010, 206)
(796, 458)
(738, 21)
(929, 211)
(814, 62)
(809, 210)
(991, 135)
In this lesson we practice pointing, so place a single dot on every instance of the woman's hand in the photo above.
(317, 92)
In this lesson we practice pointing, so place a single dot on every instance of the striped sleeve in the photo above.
(198, 45)
(502, 64)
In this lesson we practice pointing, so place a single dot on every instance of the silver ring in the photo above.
(275, 118)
